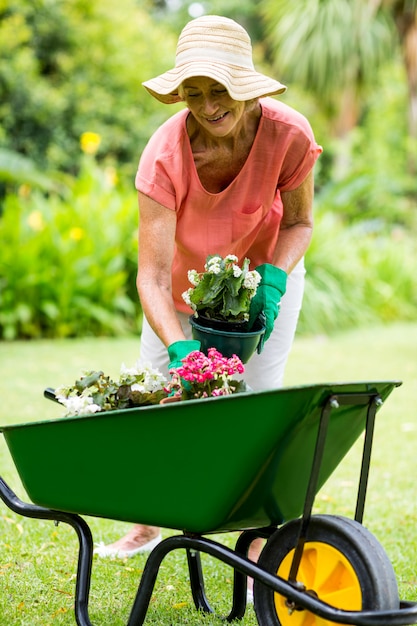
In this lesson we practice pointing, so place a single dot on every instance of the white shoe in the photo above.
(107, 551)
(249, 596)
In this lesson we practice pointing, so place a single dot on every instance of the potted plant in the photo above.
(205, 375)
(220, 298)
(201, 376)
(95, 392)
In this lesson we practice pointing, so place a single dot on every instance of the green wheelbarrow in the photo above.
(251, 463)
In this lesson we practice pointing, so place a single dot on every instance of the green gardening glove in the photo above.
(179, 350)
(267, 298)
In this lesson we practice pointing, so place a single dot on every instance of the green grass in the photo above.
(38, 560)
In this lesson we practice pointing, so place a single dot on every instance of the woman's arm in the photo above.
(296, 225)
(157, 226)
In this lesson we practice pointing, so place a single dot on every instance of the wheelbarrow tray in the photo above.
(202, 466)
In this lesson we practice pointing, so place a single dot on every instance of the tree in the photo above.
(336, 48)
(74, 66)
(331, 48)
(404, 13)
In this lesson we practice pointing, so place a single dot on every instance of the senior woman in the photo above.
(232, 173)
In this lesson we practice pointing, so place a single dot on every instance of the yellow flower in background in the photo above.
(35, 221)
(90, 142)
(76, 233)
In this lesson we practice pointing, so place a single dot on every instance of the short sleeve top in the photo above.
(244, 218)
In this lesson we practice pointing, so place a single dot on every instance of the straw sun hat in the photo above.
(221, 49)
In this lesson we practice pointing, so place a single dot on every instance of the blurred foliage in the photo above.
(71, 70)
(14, 168)
(331, 48)
(335, 50)
(357, 276)
(178, 13)
(72, 66)
(69, 266)
(372, 182)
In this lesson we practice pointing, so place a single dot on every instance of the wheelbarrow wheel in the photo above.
(342, 564)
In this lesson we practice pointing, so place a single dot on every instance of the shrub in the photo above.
(70, 67)
(69, 265)
(357, 275)
(69, 259)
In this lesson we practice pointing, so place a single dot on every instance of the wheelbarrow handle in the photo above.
(49, 393)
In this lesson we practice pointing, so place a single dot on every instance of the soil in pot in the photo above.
(239, 326)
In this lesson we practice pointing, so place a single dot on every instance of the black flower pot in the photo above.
(228, 338)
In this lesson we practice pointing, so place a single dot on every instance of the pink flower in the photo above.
(202, 376)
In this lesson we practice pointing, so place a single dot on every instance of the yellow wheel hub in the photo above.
(328, 573)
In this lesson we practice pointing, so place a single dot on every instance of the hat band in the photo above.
(229, 58)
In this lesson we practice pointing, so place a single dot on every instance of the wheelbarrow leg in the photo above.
(85, 554)
(240, 580)
(240, 584)
(198, 592)
(148, 579)
(201, 603)
(193, 546)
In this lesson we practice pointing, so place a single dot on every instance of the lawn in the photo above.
(37, 567)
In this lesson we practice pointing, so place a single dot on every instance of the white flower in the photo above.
(224, 291)
(193, 277)
(95, 391)
(145, 377)
(252, 280)
(186, 296)
(91, 408)
(153, 379)
(79, 405)
(138, 387)
(213, 265)
(128, 371)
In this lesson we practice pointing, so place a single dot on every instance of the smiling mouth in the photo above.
(213, 120)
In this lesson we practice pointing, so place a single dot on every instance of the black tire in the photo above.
(343, 563)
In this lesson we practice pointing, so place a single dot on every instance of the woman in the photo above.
(230, 174)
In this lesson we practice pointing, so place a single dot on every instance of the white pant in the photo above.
(263, 371)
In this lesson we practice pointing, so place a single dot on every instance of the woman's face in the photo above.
(211, 105)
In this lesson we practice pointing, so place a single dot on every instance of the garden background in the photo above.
(74, 119)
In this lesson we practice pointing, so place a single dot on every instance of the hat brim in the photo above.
(242, 84)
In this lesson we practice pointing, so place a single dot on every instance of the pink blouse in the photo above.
(244, 218)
